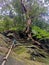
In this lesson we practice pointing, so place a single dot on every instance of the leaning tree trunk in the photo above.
(28, 24)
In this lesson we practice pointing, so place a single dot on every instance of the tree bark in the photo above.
(28, 23)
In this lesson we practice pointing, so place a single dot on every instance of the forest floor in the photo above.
(21, 55)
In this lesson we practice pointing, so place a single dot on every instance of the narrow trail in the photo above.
(7, 60)
(11, 61)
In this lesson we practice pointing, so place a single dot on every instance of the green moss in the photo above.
(19, 50)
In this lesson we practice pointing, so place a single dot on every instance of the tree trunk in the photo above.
(28, 28)
(28, 24)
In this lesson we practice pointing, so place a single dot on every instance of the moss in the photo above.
(19, 50)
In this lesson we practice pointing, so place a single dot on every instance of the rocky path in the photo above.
(11, 61)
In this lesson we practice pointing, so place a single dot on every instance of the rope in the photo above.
(6, 57)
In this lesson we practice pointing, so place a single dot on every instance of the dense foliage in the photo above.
(40, 33)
